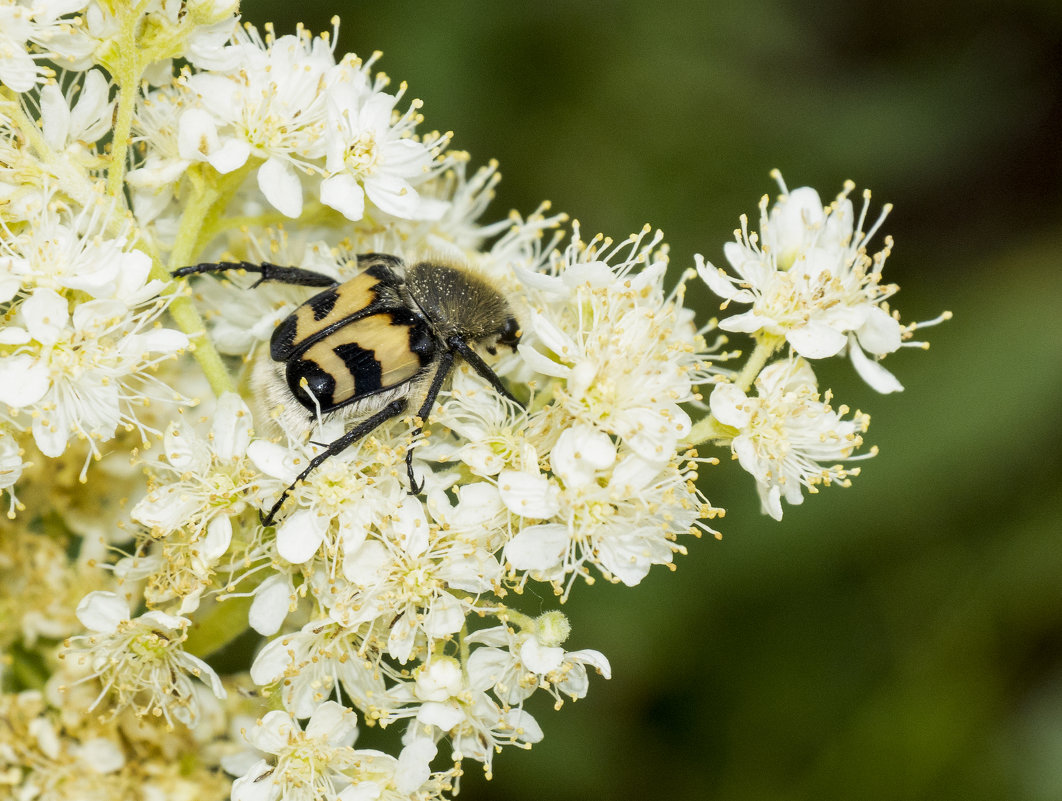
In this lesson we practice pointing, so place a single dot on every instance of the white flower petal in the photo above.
(18, 71)
(580, 453)
(273, 732)
(217, 539)
(816, 340)
(538, 547)
(280, 184)
(442, 716)
(201, 670)
(90, 118)
(541, 363)
(344, 194)
(47, 314)
(232, 427)
(880, 333)
(55, 116)
(273, 459)
(414, 765)
(197, 134)
(271, 662)
(747, 323)
(333, 722)
(528, 494)
(230, 155)
(553, 337)
(102, 611)
(727, 403)
(23, 381)
(300, 535)
(411, 525)
(486, 666)
(255, 784)
(877, 377)
(719, 282)
(394, 195)
(272, 601)
(539, 658)
(446, 617)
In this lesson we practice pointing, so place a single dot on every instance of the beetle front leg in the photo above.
(393, 409)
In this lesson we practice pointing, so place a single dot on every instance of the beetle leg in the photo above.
(269, 272)
(476, 363)
(446, 361)
(393, 409)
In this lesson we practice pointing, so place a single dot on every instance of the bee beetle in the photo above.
(368, 347)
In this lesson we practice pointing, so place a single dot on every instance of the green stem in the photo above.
(311, 213)
(519, 618)
(125, 58)
(206, 195)
(766, 345)
(463, 650)
(705, 430)
(708, 428)
(123, 125)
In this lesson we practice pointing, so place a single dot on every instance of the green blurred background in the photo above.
(901, 639)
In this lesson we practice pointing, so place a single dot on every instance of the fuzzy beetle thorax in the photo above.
(460, 303)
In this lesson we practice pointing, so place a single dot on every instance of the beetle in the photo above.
(367, 347)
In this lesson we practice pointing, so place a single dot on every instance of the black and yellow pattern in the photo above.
(329, 310)
(364, 356)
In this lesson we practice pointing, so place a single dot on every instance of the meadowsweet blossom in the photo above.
(82, 333)
(515, 665)
(140, 659)
(25, 23)
(811, 280)
(203, 484)
(442, 703)
(786, 435)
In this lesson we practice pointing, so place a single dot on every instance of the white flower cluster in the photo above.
(284, 109)
(814, 287)
(369, 604)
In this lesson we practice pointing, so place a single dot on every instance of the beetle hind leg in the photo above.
(296, 276)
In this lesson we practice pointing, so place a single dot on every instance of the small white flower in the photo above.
(200, 487)
(810, 279)
(515, 665)
(625, 350)
(443, 704)
(786, 435)
(11, 466)
(600, 505)
(305, 765)
(369, 154)
(209, 477)
(30, 22)
(314, 662)
(139, 661)
(75, 125)
(83, 318)
(419, 582)
(269, 104)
